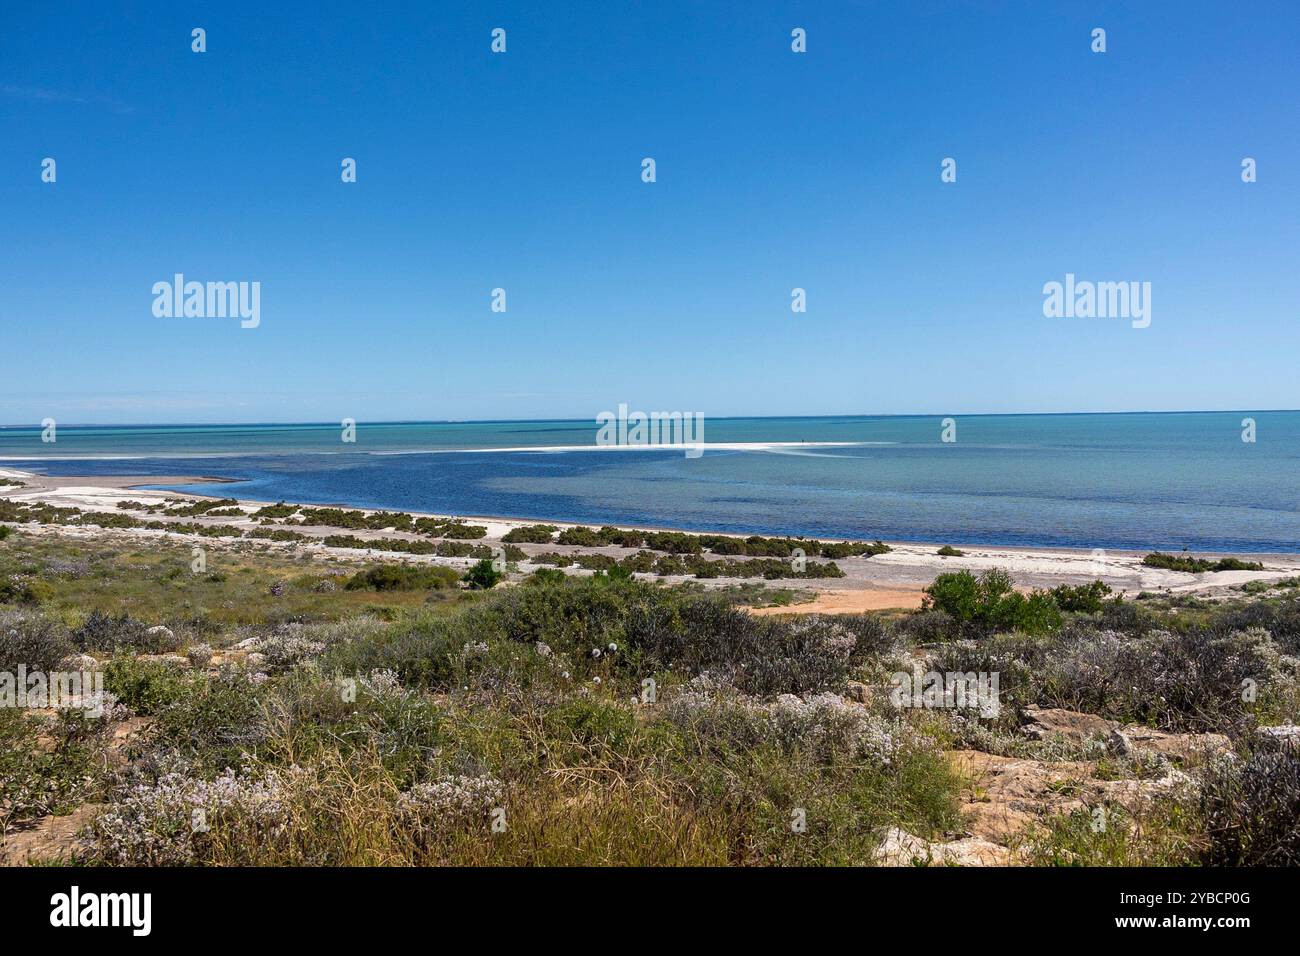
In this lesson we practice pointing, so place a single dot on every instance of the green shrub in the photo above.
(422, 651)
(191, 509)
(758, 655)
(1236, 564)
(847, 549)
(212, 721)
(948, 551)
(277, 534)
(584, 537)
(615, 572)
(404, 577)
(724, 544)
(623, 538)
(47, 768)
(582, 729)
(530, 534)
(1085, 598)
(546, 576)
(1191, 565)
(483, 575)
(1280, 618)
(928, 627)
(673, 542)
(465, 532)
(144, 686)
(987, 604)
(24, 590)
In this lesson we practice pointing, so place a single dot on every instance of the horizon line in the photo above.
(506, 421)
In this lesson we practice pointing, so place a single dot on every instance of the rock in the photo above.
(246, 644)
(200, 655)
(858, 691)
(900, 848)
(971, 851)
(160, 633)
(1189, 749)
(1007, 794)
(1122, 741)
(79, 662)
(1044, 722)
(1136, 793)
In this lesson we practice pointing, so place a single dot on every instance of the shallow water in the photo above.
(1122, 481)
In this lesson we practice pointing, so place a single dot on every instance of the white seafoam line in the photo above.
(680, 446)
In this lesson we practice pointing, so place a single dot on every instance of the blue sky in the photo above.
(522, 171)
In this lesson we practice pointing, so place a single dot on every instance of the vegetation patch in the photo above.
(1191, 565)
(404, 577)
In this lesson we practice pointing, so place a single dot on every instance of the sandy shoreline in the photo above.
(892, 580)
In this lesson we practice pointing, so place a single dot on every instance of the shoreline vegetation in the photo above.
(309, 685)
(344, 516)
(809, 575)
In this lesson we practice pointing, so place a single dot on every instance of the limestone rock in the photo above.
(900, 848)
(1188, 749)
(79, 662)
(161, 633)
(1075, 727)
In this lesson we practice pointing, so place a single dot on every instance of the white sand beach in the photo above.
(892, 580)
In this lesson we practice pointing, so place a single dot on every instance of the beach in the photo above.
(895, 579)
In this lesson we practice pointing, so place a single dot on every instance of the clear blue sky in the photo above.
(522, 171)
